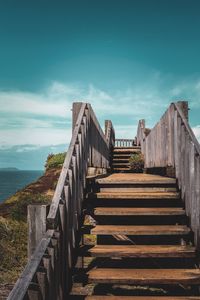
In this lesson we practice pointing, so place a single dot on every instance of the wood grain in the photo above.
(145, 276)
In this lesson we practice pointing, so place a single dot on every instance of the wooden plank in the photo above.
(192, 186)
(96, 123)
(141, 230)
(36, 219)
(142, 251)
(124, 154)
(51, 252)
(183, 176)
(47, 265)
(61, 181)
(126, 160)
(136, 195)
(34, 292)
(42, 281)
(120, 163)
(136, 178)
(145, 276)
(139, 211)
(121, 168)
(171, 136)
(136, 188)
(125, 150)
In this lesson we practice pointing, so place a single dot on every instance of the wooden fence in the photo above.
(172, 144)
(48, 272)
(124, 142)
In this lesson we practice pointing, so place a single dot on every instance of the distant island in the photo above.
(9, 169)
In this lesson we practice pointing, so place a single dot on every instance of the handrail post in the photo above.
(37, 225)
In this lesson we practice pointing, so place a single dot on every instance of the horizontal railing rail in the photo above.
(172, 144)
(124, 142)
(48, 273)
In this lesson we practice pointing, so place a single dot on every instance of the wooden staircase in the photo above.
(124, 235)
(121, 156)
(136, 241)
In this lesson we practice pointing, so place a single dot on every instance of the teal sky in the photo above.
(129, 58)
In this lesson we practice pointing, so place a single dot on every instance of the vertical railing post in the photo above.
(37, 225)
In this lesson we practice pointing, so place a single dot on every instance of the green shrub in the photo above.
(137, 162)
(19, 210)
(13, 249)
(55, 160)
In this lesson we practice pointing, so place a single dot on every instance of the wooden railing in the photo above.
(172, 144)
(124, 142)
(48, 272)
(110, 133)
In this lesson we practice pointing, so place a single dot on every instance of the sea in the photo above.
(12, 181)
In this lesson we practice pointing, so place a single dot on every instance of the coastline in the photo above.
(14, 180)
(13, 221)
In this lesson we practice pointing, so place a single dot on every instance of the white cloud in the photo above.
(44, 118)
(196, 130)
(29, 103)
(36, 136)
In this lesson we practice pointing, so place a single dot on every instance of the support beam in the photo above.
(37, 226)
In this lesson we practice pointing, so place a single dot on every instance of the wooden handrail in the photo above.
(110, 133)
(172, 144)
(66, 165)
(48, 273)
(23, 284)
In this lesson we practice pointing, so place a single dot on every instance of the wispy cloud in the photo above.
(44, 118)
(196, 130)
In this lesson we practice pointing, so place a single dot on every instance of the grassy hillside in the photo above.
(13, 214)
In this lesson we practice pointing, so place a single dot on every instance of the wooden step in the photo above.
(136, 179)
(141, 230)
(145, 276)
(142, 297)
(116, 169)
(139, 211)
(132, 188)
(118, 159)
(136, 195)
(120, 164)
(126, 150)
(121, 155)
(142, 251)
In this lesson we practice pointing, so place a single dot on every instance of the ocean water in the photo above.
(11, 181)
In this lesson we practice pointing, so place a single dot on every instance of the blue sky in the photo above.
(129, 58)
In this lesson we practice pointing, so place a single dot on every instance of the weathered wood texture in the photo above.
(172, 143)
(140, 251)
(48, 272)
(37, 226)
(145, 276)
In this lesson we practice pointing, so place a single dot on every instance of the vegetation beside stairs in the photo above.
(13, 224)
